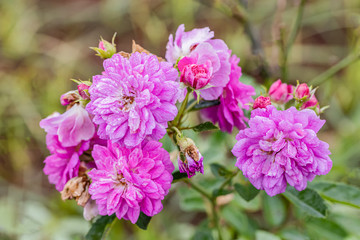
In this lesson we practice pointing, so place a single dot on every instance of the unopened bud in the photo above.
(312, 103)
(280, 92)
(105, 48)
(302, 91)
(261, 102)
(83, 91)
(101, 45)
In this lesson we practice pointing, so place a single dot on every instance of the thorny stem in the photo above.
(351, 58)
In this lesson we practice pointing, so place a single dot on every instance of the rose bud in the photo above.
(83, 91)
(302, 91)
(312, 102)
(105, 49)
(261, 102)
(280, 92)
(196, 76)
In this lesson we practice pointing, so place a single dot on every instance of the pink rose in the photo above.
(280, 92)
(302, 91)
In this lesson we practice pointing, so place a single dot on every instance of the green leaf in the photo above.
(247, 192)
(338, 192)
(204, 104)
(219, 170)
(190, 200)
(237, 219)
(325, 229)
(263, 235)
(219, 192)
(203, 234)
(178, 175)
(206, 126)
(292, 234)
(308, 201)
(97, 228)
(168, 145)
(274, 210)
(143, 221)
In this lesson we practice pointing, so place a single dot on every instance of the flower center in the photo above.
(199, 71)
(195, 76)
(120, 181)
(126, 101)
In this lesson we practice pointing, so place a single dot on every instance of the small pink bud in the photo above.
(302, 91)
(81, 88)
(312, 102)
(261, 102)
(69, 98)
(105, 49)
(280, 92)
(101, 45)
(195, 75)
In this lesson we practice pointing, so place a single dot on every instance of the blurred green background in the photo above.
(45, 43)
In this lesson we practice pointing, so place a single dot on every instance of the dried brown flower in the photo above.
(77, 188)
(137, 48)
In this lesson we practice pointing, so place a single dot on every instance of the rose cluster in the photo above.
(105, 149)
(280, 147)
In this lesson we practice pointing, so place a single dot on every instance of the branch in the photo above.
(287, 47)
(351, 58)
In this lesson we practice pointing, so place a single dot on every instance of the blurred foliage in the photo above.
(44, 43)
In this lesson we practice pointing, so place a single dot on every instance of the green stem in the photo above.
(292, 36)
(227, 181)
(190, 106)
(199, 189)
(216, 218)
(176, 130)
(186, 128)
(351, 58)
(177, 119)
(256, 46)
(213, 204)
(295, 29)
